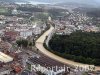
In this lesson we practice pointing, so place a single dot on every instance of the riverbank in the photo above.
(39, 44)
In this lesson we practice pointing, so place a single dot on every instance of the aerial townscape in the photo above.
(49, 37)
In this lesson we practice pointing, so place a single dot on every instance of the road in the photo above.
(39, 45)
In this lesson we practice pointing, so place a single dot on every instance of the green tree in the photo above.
(22, 42)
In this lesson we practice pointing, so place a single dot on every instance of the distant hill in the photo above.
(79, 4)
(94, 3)
(87, 2)
(13, 0)
(66, 4)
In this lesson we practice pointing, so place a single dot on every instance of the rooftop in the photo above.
(5, 58)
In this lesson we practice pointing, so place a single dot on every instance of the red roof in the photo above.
(18, 69)
(10, 33)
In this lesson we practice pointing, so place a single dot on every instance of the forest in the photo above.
(79, 46)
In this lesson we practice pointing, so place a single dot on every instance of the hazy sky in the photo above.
(90, 2)
(58, 1)
(93, 2)
(84, 1)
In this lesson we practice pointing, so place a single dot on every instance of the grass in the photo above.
(3, 10)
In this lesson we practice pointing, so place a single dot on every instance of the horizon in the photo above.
(87, 2)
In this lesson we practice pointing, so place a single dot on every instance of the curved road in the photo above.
(39, 45)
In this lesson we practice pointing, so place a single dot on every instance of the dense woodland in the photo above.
(80, 46)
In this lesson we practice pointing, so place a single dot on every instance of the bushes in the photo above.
(23, 43)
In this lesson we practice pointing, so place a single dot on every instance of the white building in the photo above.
(37, 30)
(15, 12)
(26, 33)
(2, 22)
(5, 58)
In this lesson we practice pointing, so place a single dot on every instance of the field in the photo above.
(3, 10)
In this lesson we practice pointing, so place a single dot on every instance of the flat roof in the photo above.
(5, 58)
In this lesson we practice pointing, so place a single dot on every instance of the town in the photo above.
(23, 25)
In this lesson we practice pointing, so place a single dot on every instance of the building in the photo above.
(4, 71)
(25, 33)
(37, 30)
(5, 58)
(4, 45)
(11, 35)
(15, 12)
